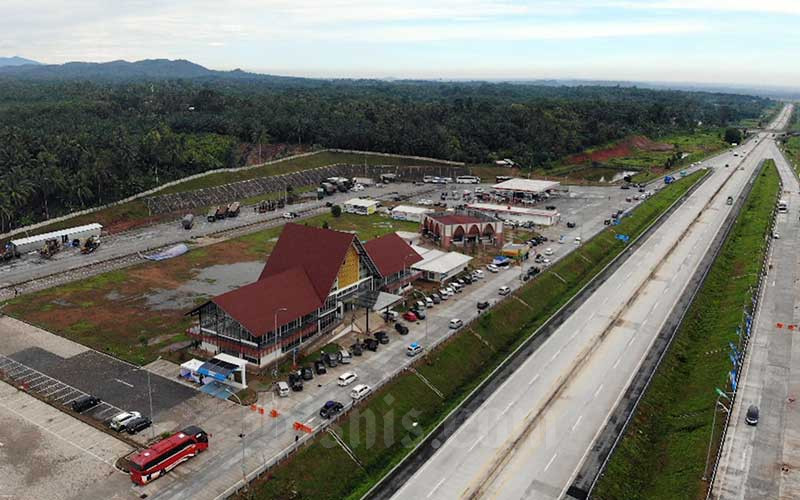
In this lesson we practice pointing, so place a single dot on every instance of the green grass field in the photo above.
(384, 428)
(662, 454)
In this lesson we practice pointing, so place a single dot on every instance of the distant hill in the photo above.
(148, 69)
(16, 61)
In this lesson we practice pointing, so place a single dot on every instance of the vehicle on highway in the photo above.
(167, 454)
(381, 337)
(307, 373)
(776, 235)
(356, 349)
(548, 251)
(289, 215)
(468, 179)
(578, 240)
(360, 391)
(137, 424)
(346, 379)
(331, 409)
(752, 415)
(413, 349)
(455, 323)
(319, 367)
(729, 201)
(504, 290)
(371, 344)
(783, 206)
(483, 305)
(409, 316)
(282, 389)
(188, 221)
(118, 421)
(401, 328)
(84, 403)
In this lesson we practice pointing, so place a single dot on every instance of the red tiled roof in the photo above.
(254, 305)
(320, 252)
(391, 254)
(456, 219)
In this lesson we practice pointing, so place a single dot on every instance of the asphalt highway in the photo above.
(762, 461)
(530, 437)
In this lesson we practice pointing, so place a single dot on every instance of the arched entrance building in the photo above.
(448, 229)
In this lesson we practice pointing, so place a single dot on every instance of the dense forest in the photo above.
(71, 144)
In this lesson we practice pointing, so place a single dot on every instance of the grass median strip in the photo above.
(663, 451)
(382, 430)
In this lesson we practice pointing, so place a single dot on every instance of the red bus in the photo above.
(167, 454)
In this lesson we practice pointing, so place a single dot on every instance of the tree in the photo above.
(733, 135)
(336, 210)
(325, 225)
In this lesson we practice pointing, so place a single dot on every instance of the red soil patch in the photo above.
(619, 150)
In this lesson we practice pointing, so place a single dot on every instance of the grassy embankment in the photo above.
(764, 120)
(135, 214)
(662, 454)
(115, 312)
(322, 470)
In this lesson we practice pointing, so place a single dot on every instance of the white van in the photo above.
(428, 302)
(360, 391)
(455, 323)
(282, 389)
(413, 349)
(347, 378)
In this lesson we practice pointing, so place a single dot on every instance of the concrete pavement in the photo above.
(762, 461)
(531, 435)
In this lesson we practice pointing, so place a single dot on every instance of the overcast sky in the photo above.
(718, 41)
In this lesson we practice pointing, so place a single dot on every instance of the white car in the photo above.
(478, 274)
(456, 323)
(358, 187)
(578, 240)
(492, 268)
(504, 290)
(289, 215)
(346, 379)
(445, 293)
(120, 419)
(548, 251)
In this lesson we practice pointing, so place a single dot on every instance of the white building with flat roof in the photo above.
(527, 186)
(517, 213)
(440, 266)
(63, 236)
(361, 206)
(410, 212)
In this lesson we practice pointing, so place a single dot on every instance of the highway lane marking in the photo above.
(645, 321)
(475, 443)
(534, 379)
(550, 462)
(124, 383)
(600, 388)
(554, 356)
(436, 487)
(630, 341)
(576, 423)
(509, 406)
(616, 363)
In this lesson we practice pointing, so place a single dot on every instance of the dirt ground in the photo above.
(619, 150)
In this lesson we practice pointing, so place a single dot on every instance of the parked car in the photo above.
(419, 305)
(307, 373)
(360, 391)
(478, 273)
(391, 315)
(346, 378)
(752, 415)
(401, 328)
(456, 323)
(296, 381)
(570, 224)
(371, 344)
(409, 316)
(428, 302)
(331, 359)
(137, 424)
(548, 251)
(118, 421)
(420, 313)
(319, 367)
(483, 305)
(356, 349)
(282, 389)
(381, 337)
(289, 215)
(492, 268)
(331, 409)
(504, 290)
(436, 298)
(413, 349)
(84, 403)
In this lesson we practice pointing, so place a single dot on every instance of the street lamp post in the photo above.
(282, 309)
(150, 399)
(241, 435)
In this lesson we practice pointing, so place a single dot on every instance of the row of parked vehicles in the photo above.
(126, 421)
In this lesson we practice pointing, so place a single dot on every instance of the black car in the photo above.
(328, 204)
(296, 382)
(330, 409)
(331, 359)
(307, 373)
(381, 337)
(319, 367)
(137, 424)
(550, 207)
(752, 415)
(401, 328)
(625, 186)
(356, 349)
(371, 344)
(83, 403)
(483, 305)
(570, 224)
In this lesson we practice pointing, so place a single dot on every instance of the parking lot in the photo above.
(45, 453)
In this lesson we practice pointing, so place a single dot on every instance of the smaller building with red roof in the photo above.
(462, 229)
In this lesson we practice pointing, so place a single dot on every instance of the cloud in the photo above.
(791, 7)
